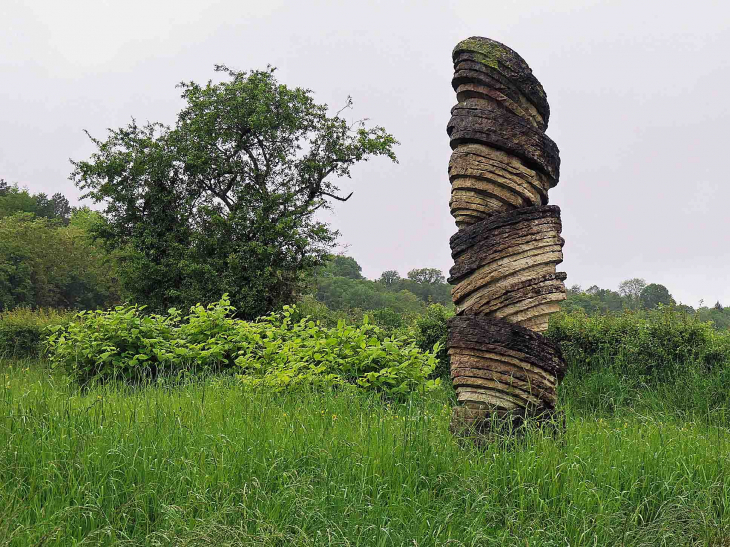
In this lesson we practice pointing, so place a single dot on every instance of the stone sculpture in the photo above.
(508, 244)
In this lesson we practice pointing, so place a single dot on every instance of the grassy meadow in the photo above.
(208, 462)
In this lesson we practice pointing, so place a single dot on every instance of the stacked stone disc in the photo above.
(508, 244)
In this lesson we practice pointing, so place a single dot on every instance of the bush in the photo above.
(22, 330)
(647, 344)
(276, 351)
(392, 323)
(431, 329)
(282, 354)
(310, 307)
(121, 343)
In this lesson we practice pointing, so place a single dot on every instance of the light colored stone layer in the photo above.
(528, 261)
(496, 399)
(500, 380)
(486, 181)
(505, 362)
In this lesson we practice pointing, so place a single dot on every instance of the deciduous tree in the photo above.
(426, 275)
(389, 277)
(631, 289)
(224, 200)
(654, 294)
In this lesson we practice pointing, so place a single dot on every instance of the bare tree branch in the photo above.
(338, 198)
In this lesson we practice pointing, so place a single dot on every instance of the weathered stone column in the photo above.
(508, 244)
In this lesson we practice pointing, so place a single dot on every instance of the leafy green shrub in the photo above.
(308, 306)
(431, 329)
(392, 323)
(118, 343)
(390, 319)
(22, 330)
(276, 351)
(651, 344)
(279, 353)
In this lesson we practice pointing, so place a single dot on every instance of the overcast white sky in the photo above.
(638, 92)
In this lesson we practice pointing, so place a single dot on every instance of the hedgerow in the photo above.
(650, 344)
(22, 330)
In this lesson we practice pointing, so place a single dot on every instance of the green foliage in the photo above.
(343, 293)
(430, 332)
(428, 284)
(224, 201)
(391, 320)
(23, 331)
(436, 292)
(285, 355)
(654, 295)
(631, 289)
(14, 200)
(340, 286)
(720, 317)
(427, 275)
(389, 277)
(121, 343)
(46, 264)
(651, 345)
(633, 294)
(309, 306)
(593, 300)
(276, 351)
(341, 266)
(392, 323)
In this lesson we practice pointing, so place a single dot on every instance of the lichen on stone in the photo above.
(488, 51)
(502, 59)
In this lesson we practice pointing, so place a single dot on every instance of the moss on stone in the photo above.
(508, 62)
(488, 51)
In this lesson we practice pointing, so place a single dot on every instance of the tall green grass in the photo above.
(208, 463)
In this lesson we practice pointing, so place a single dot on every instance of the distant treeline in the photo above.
(14, 199)
(340, 285)
(636, 294)
(48, 258)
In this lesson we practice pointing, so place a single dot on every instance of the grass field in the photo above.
(208, 463)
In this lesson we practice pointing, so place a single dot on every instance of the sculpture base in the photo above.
(505, 377)
(484, 425)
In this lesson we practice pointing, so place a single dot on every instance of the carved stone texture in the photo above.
(481, 121)
(496, 67)
(505, 267)
(508, 245)
(486, 181)
(501, 370)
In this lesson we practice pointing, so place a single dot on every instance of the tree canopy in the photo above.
(631, 289)
(224, 201)
(46, 264)
(633, 294)
(342, 266)
(426, 275)
(14, 199)
(389, 277)
(655, 294)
